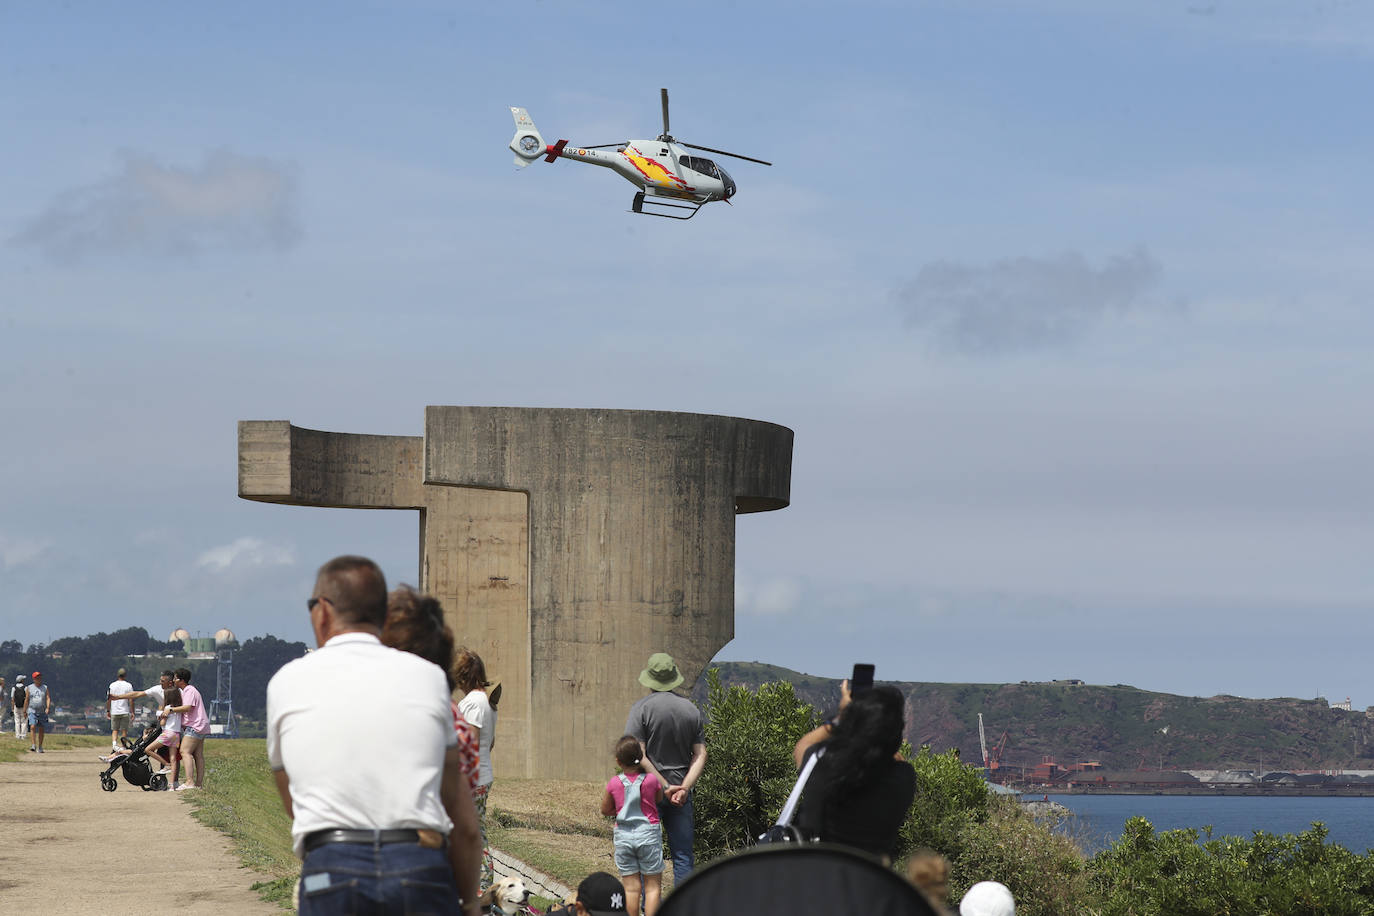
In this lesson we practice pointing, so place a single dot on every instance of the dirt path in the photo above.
(66, 846)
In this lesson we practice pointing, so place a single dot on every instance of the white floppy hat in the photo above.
(987, 898)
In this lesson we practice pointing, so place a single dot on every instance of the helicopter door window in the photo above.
(701, 166)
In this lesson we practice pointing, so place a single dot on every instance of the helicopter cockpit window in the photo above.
(701, 165)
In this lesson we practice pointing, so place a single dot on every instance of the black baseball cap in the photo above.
(602, 894)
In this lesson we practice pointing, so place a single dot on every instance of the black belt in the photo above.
(370, 837)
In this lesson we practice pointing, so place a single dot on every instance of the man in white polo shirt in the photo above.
(373, 828)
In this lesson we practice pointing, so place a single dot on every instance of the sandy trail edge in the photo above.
(69, 847)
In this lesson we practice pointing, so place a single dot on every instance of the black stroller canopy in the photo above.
(796, 878)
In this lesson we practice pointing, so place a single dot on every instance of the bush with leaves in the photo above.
(989, 838)
(1043, 870)
(749, 769)
(1173, 874)
(950, 795)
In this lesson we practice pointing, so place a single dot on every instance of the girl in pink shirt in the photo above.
(632, 798)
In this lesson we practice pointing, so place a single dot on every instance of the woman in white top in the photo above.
(170, 739)
(471, 675)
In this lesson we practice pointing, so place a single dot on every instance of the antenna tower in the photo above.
(222, 708)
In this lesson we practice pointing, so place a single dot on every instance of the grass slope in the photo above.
(240, 800)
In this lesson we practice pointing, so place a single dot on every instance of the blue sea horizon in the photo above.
(1099, 819)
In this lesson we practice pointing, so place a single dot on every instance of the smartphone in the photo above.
(861, 679)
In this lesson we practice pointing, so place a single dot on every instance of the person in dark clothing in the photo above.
(860, 789)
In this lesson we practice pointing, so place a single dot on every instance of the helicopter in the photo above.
(669, 178)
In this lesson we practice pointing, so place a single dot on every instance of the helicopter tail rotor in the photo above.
(527, 144)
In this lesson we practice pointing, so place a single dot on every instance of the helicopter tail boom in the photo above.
(527, 144)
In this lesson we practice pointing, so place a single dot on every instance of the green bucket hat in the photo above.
(661, 673)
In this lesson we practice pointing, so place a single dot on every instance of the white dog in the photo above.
(507, 896)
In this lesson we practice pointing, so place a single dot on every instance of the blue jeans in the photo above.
(338, 879)
(677, 830)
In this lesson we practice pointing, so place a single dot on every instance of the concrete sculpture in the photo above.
(566, 546)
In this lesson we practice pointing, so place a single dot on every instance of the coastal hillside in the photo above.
(1118, 726)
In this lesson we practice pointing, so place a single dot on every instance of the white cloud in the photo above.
(1023, 303)
(18, 551)
(246, 553)
(769, 597)
(229, 202)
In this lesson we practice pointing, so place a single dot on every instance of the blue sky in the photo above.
(1066, 302)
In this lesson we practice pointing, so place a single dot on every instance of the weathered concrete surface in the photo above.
(71, 848)
(281, 463)
(566, 546)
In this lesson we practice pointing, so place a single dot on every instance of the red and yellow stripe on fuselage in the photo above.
(646, 172)
(657, 175)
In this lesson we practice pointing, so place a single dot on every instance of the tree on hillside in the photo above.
(254, 664)
(125, 642)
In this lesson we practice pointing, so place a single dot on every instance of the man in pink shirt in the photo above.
(196, 725)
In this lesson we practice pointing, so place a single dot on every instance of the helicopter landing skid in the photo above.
(640, 203)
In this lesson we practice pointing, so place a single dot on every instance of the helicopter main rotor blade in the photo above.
(724, 153)
(664, 94)
(607, 145)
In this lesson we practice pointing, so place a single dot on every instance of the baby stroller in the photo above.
(137, 768)
(797, 878)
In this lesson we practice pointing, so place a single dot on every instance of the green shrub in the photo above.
(1045, 872)
(950, 796)
(1173, 874)
(749, 769)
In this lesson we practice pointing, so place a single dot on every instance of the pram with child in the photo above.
(134, 763)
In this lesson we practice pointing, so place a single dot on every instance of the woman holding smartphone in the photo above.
(861, 788)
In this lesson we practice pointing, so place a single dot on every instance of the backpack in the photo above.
(19, 694)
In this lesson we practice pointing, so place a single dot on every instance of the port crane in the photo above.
(991, 761)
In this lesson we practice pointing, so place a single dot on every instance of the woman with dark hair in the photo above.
(415, 624)
(860, 788)
(471, 676)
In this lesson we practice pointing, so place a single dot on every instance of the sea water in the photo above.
(1099, 819)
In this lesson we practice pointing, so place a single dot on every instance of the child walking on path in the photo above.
(632, 798)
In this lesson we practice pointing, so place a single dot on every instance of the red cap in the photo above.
(38, 674)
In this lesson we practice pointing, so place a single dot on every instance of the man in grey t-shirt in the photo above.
(39, 706)
(672, 734)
